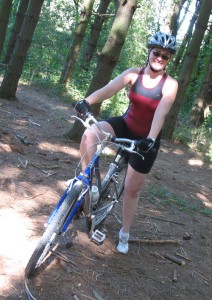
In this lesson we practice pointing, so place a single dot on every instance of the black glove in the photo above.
(83, 108)
(145, 144)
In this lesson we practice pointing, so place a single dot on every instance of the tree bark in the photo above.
(172, 18)
(76, 43)
(14, 69)
(5, 10)
(187, 67)
(204, 98)
(109, 56)
(182, 49)
(16, 29)
(96, 28)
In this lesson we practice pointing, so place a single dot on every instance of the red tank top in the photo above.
(143, 103)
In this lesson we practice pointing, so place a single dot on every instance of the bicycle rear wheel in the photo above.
(108, 198)
(48, 239)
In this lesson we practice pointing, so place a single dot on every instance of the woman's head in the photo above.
(162, 40)
(161, 46)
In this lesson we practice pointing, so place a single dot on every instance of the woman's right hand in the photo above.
(83, 108)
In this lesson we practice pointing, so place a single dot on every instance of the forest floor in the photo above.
(174, 209)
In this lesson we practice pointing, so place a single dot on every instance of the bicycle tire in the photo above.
(108, 198)
(52, 231)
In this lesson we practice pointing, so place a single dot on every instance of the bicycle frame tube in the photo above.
(85, 177)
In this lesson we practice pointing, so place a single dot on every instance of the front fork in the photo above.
(65, 194)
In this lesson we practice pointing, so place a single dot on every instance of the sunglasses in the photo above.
(158, 54)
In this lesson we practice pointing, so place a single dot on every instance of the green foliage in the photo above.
(46, 56)
(116, 105)
(52, 39)
(198, 138)
(163, 195)
(50, 46)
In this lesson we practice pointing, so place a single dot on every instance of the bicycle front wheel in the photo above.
(48, 239)
(108, 198)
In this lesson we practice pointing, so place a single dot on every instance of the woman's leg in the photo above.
(89, 140)
(133, 183)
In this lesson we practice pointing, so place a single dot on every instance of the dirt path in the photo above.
(32, 176)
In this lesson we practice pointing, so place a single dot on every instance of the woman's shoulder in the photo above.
(132, 74)
(132, 70)
(171, 84)
(171, 80)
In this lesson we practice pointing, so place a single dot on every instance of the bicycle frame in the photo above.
(74, 195)
(86, 179)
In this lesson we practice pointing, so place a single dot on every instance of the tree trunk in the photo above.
(173, 15)
(204, 99)
(14, 69)
(16, 29)
(109, 56)
(76, 43)
(187, 67)
(180, 52)
(5, 10)
(96, 28)
(185, 11)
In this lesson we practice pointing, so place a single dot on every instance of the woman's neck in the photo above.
(152, 74)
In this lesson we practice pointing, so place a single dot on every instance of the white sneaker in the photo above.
(123, 246)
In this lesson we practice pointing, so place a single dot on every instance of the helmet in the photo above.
(162, 40)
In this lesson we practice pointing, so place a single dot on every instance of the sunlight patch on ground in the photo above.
(83, 239)
(164, 149)
(45, 146)
(195, 162)
(178, 152)
(63, 184)
(108, 151)
(205, 200)
(13, 231)
(9, 173)
(5, 148)
(16, 247)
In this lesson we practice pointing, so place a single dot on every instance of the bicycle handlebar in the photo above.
(118, 141)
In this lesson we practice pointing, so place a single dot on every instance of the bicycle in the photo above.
(110, 188)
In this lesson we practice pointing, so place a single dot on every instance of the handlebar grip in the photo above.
(113, 139)
(88, 115)
(136, 144)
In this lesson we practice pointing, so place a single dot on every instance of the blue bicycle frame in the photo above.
(84, 177)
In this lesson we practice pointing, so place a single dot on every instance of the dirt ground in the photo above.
(35, 162)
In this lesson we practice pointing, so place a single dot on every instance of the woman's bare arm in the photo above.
(127, 77)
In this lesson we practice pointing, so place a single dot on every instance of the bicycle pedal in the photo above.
(98, 237)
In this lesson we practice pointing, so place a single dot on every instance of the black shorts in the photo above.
(136, 162)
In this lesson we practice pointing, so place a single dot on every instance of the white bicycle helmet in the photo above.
(162, 40)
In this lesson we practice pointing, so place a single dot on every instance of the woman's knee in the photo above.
(88, 136)
(134, 182)
(132, 191)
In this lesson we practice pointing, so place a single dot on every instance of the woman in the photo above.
(151, 96)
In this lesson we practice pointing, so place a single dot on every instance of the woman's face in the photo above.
(159, 58)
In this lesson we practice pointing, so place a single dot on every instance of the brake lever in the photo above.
(85, 123)
(131, 149)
